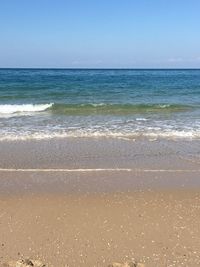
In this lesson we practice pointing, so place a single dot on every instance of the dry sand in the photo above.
(156, 228)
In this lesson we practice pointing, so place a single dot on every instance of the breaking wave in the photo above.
(24, 108)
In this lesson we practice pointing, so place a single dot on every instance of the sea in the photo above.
(118, 103)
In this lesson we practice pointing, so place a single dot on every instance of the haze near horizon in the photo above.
(100, 34)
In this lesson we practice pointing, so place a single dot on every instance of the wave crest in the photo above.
(12, 109)
(93, 109)
(116, 109)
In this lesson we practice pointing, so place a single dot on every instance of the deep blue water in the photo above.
(46, 103)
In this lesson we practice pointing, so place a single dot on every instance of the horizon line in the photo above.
(87, 68)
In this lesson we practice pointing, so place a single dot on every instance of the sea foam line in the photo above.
(98, 170)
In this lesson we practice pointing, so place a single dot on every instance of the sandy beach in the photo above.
(99, 133)
(115, 201)
(156, 228)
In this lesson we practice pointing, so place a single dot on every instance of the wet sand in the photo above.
(74, 217)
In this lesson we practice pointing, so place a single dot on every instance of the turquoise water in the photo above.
(49, 103)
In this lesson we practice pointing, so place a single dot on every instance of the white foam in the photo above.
(164, 106)
(99, 170)
(96, 105)
(11, 109)
(141, 119)
(173, 135)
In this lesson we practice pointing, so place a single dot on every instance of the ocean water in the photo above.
(61, 103)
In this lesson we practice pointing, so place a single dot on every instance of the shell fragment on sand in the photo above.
(127, 264)
(37, 263)
(24, 263)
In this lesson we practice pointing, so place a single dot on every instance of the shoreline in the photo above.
(100, 153)
(97, 165)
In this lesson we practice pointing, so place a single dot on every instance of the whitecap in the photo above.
(11, 109)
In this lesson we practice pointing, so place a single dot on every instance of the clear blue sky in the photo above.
(100, 33)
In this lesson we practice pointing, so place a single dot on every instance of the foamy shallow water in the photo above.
(44, 127)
